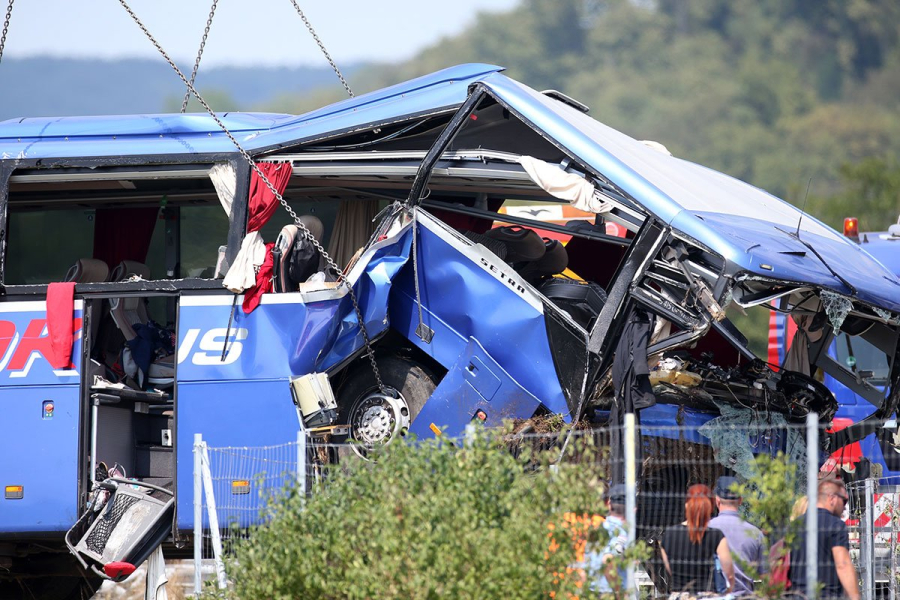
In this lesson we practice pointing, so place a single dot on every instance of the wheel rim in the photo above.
(378, 418)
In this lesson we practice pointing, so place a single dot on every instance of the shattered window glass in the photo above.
(740, 433)
(836, 306)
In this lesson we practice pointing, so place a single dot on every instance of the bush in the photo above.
(429, 520)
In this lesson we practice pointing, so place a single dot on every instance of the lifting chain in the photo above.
(6, 28)
(187, 92)
(306, 233)
(322, 48)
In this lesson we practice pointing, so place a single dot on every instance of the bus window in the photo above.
(856, 354)
(150, 218)
(204, 229)
(42, 245)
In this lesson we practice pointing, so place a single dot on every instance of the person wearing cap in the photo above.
(745, 541)
(611, 579)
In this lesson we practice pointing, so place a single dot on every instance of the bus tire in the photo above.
(373, 417)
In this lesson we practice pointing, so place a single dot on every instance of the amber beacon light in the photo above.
(851, 227)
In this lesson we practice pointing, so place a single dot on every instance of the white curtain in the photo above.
(242, 274)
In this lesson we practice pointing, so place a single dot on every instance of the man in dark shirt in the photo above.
(836, 573)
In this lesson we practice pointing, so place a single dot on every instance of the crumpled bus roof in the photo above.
(746, 225)
(178, 134)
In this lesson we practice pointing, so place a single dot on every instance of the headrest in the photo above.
(127, 268)
(495, 246)
(314, 224)
(554, 261)
(521, 244)
(88, 270)
(294, 257)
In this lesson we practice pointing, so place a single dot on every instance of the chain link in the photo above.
(187, 93)
(6, 28)
(306, 232)
(322, 48)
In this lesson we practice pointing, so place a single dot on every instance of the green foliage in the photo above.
(427, 520)
(774, 92)
(769, 497)
(219, 100)
(871, 193)
(754, 324)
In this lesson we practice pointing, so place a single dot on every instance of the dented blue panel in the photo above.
(468, 292)
(475, 382)
(373, 286)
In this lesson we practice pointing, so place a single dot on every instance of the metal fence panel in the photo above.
(666, 463)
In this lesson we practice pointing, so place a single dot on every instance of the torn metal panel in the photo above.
(475, 382)
(468, 292)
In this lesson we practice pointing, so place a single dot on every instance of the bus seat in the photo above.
(129, 268)
(129, 311)
(88, 270)
(295, 258)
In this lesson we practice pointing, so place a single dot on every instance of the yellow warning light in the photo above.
(435, 429)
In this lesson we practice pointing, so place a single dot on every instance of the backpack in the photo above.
(780, 565)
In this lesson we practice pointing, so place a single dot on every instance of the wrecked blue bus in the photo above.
(157, 285)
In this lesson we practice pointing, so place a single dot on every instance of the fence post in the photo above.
(892, 582)
(867, 557)
(812, 495)
(214, 532)
(630, 494)
(301, 461)
(198, 513)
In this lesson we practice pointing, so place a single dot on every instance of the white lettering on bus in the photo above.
(211, 345)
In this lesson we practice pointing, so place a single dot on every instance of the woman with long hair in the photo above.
(689, 550)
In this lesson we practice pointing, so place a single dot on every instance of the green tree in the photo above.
(427, 520)
(871, 193)
(774, 92)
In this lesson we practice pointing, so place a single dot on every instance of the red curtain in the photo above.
(263, 202)
(123, 234)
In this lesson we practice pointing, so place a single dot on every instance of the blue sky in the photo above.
(244, 32)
